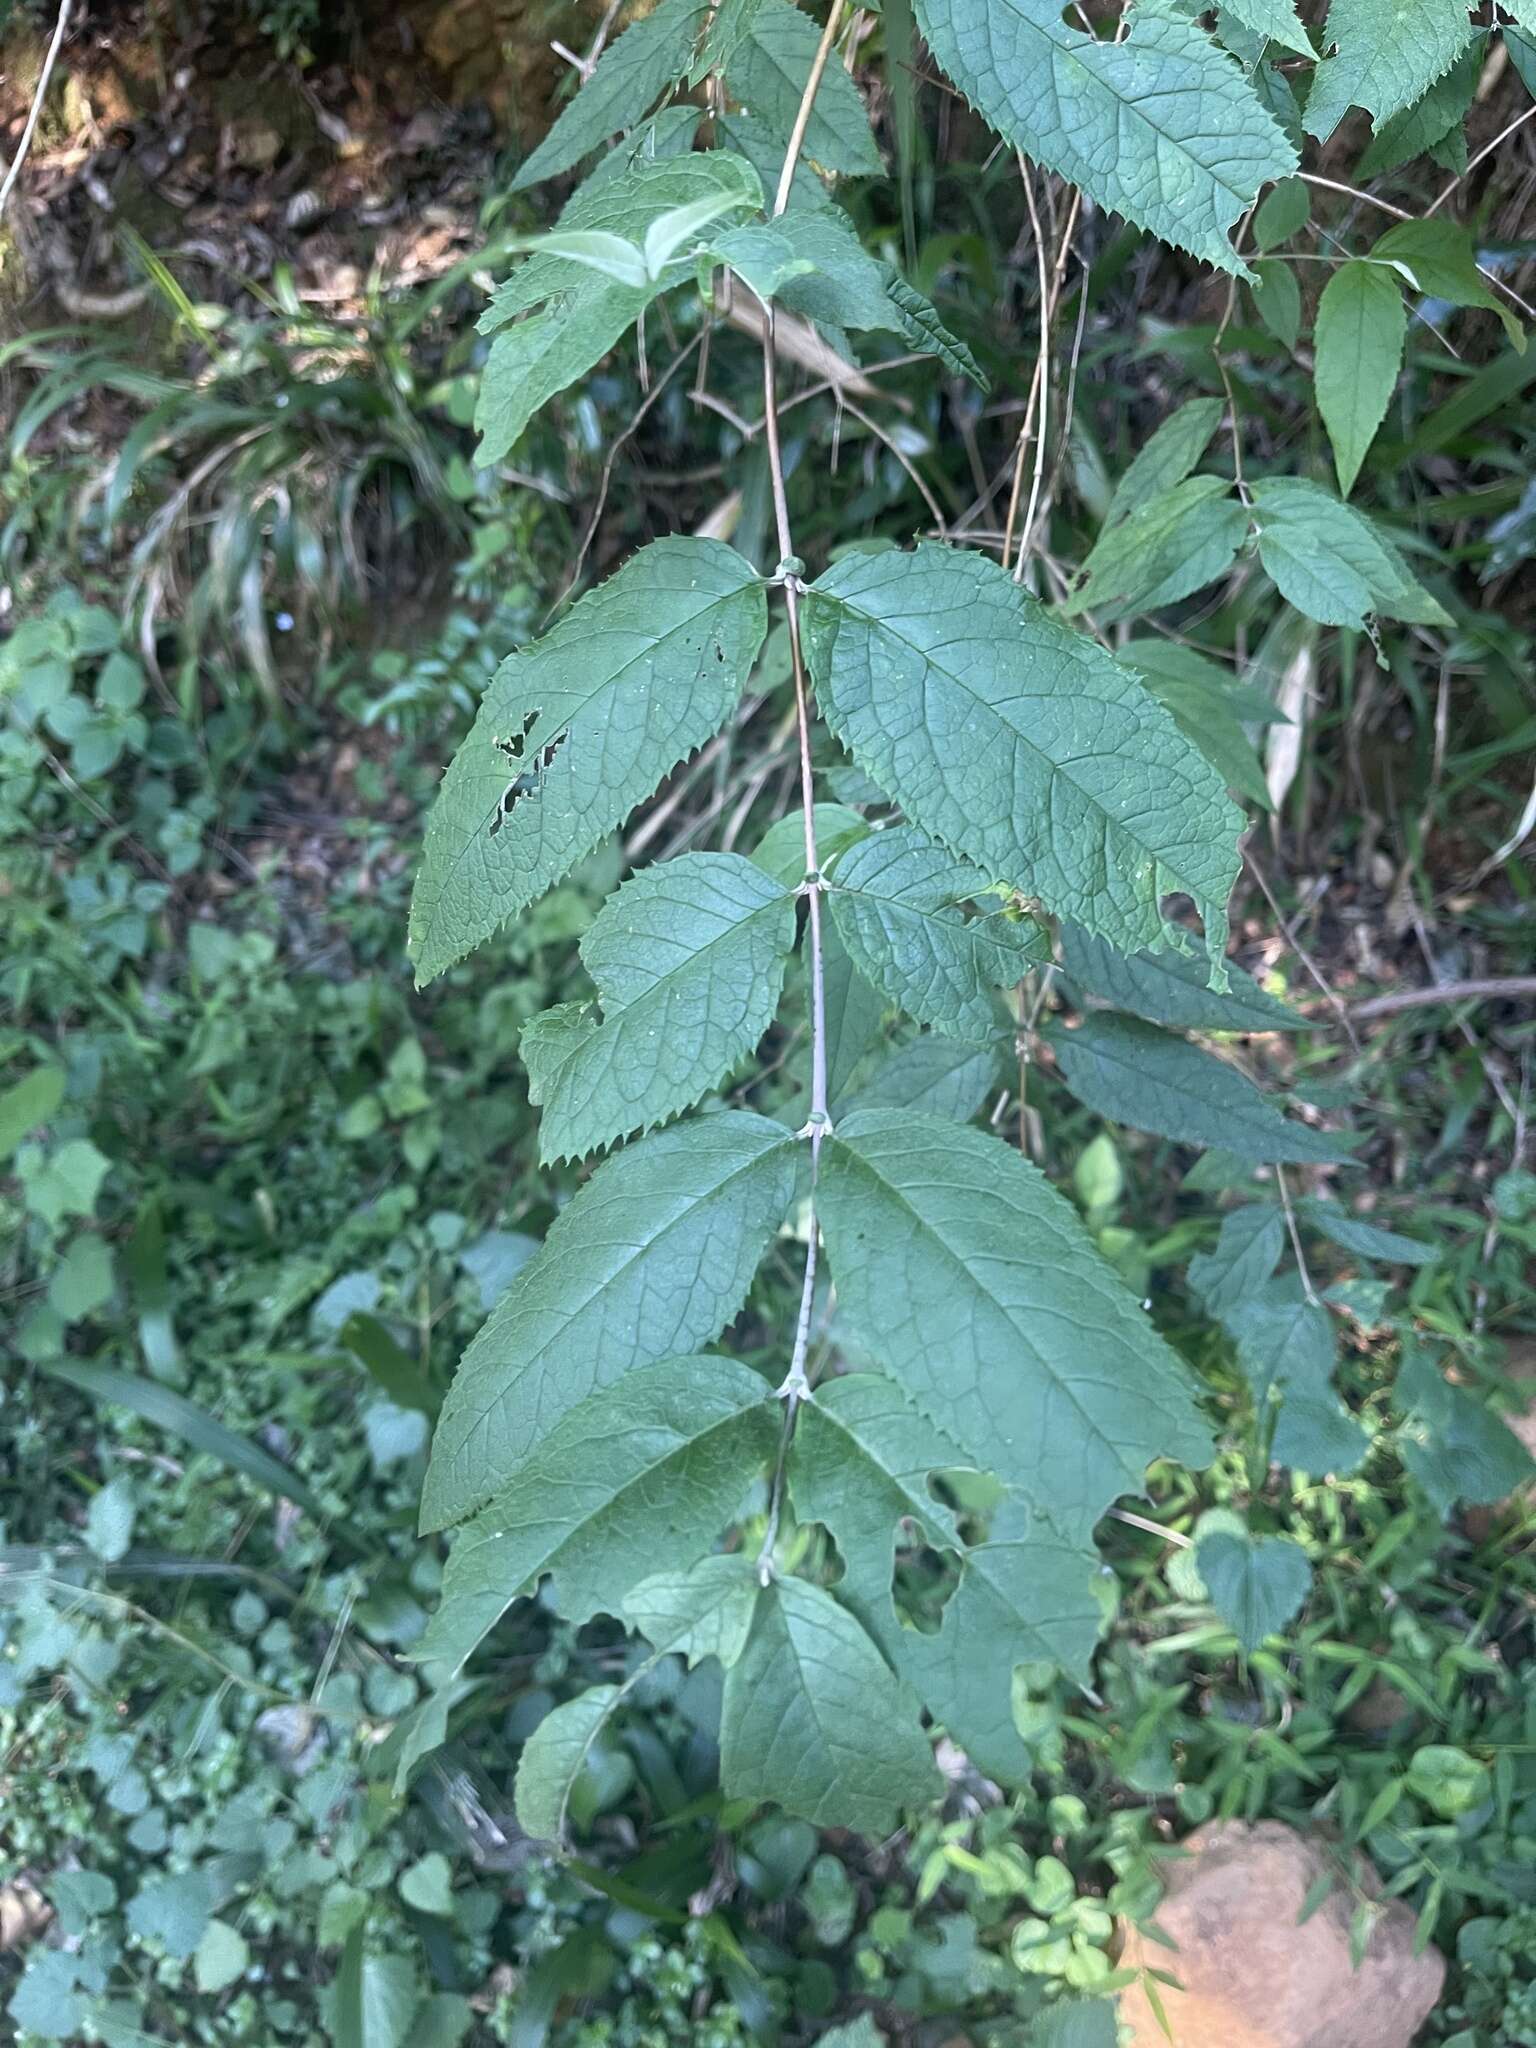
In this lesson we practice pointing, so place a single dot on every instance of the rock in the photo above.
(1253, 1978)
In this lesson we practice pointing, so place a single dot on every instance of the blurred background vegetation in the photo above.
(257, 1191)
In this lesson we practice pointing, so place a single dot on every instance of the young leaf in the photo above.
(1135, 1074)
(938, 1075)
(594, 249)
(627, 80)
(1161, 127)
(1358, 335)
(1171, 545)
(652, 1466)
(1329, 560)
(1166, 458)
(1277, 299)
(579, 728)
(1385, 55)
(626, 203)
(649, 1260)
(1247, 1251)
(698, 1610)
(767, 75)
(1366, 1240)
(1443, 264)
(973, 1281)
(813, 1720)
(861, 1462)
(895, 899)
(689, 961)
(918, 322)
(1256, 1583)
(553, 1759)
(957, 692)
(1283, 212)
(543, 355)
(781, 851)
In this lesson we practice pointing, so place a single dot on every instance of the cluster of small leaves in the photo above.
(1019, 790)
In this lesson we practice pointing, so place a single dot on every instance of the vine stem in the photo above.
(796, 1386)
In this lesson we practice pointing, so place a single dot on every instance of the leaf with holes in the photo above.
(579, 728)
(648, 1261)
(1160, 126)
(813, 1719)
(962, 1270)
(1135, 1074)
(862, 1463)
(1383, 55)
(652, 1467)
(1020, 744)
(689, 961)
(896, 898)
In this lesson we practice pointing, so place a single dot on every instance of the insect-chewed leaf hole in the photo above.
(530, 768)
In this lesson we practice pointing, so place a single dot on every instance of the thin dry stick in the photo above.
(796, 1386)
(35, 111)
(1398, 213)
(1492, 988)
(1300, 950)
(1048, 309)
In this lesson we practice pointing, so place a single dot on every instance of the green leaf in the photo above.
(895, 898)
(1358, 337)
(729, 21)
(1285, 1347)
(855, 1013)
(109, 1519)
(1167, 457)
(222, 1957)
(917, 321)
(629, 77)
(67, 1182)
(46, 2002)
(1210, 706)
(767, 75)
(1275, 20)
(704, 1610)
(1283, 212)
(1169, 988)
(1136, 1074)
(939, 1075)
(1247, 1250)
(689, 961)
(973, 1281)
(530, 363)
(1366, 1240)
(651, 1467)
(375, 1998)
(701, 1610)
(1329, 560)
(166, 1410)
(650, 1259)
(781, 852)
(959, 695)
(1385, 55)
(627, 203)
(174, 1909)
(1450, 1441)
(427, 1884)
(1438, 115)
(579, 728)
(813, 1720)
(862, 1461)
(1277, 299)
(1442, 262)
(27, 1103)
(553, 1759)
(1167, 547)
(1076, 2023)
(81, 1282)
(1256, 1583)
(1161, 127)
